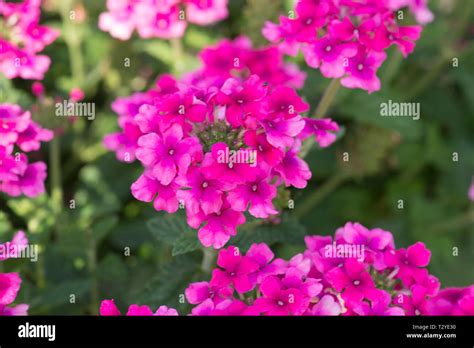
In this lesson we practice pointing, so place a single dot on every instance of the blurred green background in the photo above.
(84, 250)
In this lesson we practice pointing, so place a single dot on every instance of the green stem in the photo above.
(209, 255)
(40, 273)
(73, 42)
(392, 67)
(56, 180)
(321, 110)
(92, 263)
(327, 99)
(178, 53)
(318, 195)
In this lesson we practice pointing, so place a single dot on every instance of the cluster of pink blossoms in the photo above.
(108, 308)
(18, 131)
(347, 39)
(227, 59)
(220, 147)
(22, 38)
(10, 282)
(359, 272)
(163, 19)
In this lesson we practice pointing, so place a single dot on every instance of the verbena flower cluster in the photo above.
(220, 147)
(227, 59)
(358, 272)
(18, 132)
(22, 38)
(163, 19)
(10, 282)
(108, 308)
(347, 39)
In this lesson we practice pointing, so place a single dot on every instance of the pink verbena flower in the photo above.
(215, 229)
(352, 280)
(148, 189)
(17, 130)
(199, 292)
(22, 39)
(408, 261)
(262, 255)
(278, 300)
(108, 308)
(347, 39)
(311, 284)
(375, 242)
(239, 59)
(168, 154)
(256, 196)
(327, 306)
(452, 301)
(164, 19)
(416, 303)
(236, 270)
(10, 282)
(220, 148)
(324, 131)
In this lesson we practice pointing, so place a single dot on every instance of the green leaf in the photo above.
(59, 294)
(288, 231)
(170, 281)
(168, 228)
(186, 243)
(101, 228)
(173, 229)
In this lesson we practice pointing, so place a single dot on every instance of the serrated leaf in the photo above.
(168, 228)
(170, 281)
(173, 230)
(185, 244)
